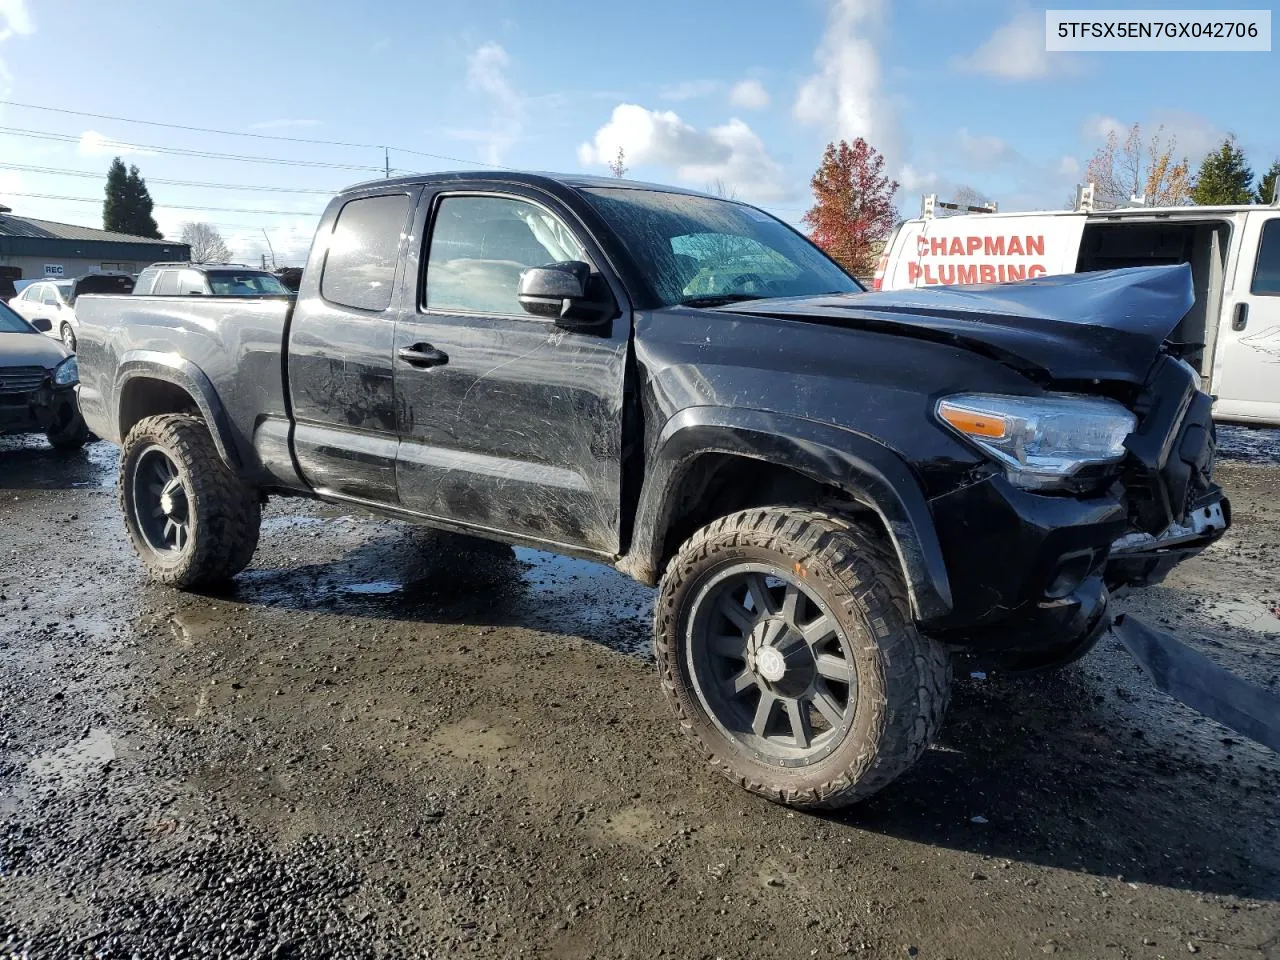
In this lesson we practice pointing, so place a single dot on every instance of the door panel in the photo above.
(520, 430)
(1247, 371)
(340, 351)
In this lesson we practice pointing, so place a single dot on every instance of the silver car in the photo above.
(49, 305)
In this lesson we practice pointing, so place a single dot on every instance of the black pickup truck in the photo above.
(834, 489)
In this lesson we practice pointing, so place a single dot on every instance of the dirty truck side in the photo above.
(835, 490)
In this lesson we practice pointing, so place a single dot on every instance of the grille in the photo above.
(21, 379)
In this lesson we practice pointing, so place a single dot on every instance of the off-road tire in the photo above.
(904, 678)
(225, 513)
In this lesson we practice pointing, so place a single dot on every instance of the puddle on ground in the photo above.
(1250, 444)
(389, 570)
(28, 462)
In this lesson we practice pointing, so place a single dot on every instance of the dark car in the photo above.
(835, 490)
(38, 378)
(208, 280)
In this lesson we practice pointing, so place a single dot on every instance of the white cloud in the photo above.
(984, 152)
(749, 95)
(1016, 51)
(843, 98)
(689, 89)
(16, 17)
(913, 179)
(1099, 126)
(94, 144)
(281, 124)
(1069, 167)
(1194, 135)
(732, 153)
(487, 75)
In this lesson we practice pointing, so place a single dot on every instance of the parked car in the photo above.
(208, 280)
(54, 301)
(835, 490)
(1232, 330)
(38, 380)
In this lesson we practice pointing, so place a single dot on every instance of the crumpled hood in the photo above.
(30, 350)
(1106, 326)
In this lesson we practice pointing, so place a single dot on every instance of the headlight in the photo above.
(1042, 440)
(66, 373)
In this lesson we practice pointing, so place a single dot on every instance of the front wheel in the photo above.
(68, 337)
(191, 520)
(787, 651)
(70, 432)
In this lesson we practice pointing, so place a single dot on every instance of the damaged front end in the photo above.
(1175, 508)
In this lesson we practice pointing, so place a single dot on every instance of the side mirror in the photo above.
(42, 324)
(559, 292)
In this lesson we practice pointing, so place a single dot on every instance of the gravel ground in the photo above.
(383, 742)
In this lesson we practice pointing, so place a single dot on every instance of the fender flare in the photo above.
(171, 368)
(869, 472)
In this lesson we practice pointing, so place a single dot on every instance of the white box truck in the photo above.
(1234, 252)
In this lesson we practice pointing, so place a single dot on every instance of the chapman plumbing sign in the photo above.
(965, 250)
(982, 258)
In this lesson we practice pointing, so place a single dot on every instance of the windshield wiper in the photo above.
(718, 299)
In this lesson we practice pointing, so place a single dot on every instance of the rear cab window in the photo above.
(364, 250)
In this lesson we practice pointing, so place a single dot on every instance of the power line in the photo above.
(206, 154)
(181, 126)
(256, 136)
(168, 206)
(61, 172)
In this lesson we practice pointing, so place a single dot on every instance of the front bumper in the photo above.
(1141, 560)
(38, 410)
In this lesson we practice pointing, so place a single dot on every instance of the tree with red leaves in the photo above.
(854, 212)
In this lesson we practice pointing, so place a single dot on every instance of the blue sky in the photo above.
(741, 92)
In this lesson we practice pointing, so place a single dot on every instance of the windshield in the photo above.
(241, 283)
(700, 249)
(10, 322)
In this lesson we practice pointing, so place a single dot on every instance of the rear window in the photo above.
(245, 283)
(360, 267)
(166, 284)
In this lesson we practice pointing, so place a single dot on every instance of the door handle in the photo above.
(423, 355)
(1240, 319)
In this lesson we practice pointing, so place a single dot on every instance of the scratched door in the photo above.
(506, 421)
(1247, 375)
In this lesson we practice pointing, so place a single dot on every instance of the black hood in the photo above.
(30, 350)
(1104, 326)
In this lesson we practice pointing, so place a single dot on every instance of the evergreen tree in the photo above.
(115, 207)
(1267, 188)
(128, 206)
(144, 224)
(1225, 177)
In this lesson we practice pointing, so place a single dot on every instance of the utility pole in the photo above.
(386, 162)
(269, 247)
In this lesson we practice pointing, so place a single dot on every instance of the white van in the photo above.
(1234, 253)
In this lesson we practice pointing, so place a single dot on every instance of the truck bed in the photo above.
(235, 342)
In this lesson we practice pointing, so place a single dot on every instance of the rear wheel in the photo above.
(786, 649)
(68, 337)
(190, 519)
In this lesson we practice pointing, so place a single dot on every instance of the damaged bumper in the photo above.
(38, 410)
(1142, 560)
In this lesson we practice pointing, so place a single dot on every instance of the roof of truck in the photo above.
(576, 181)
